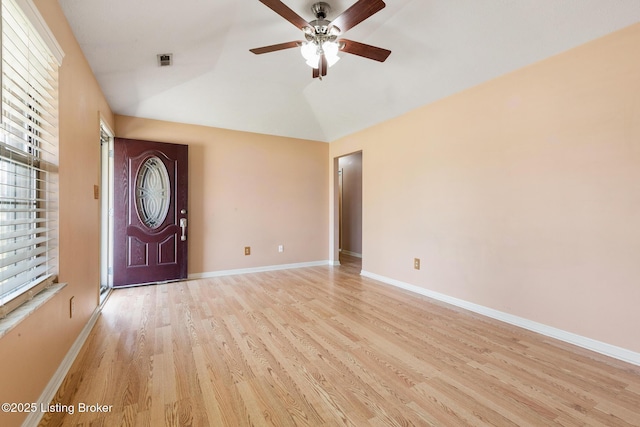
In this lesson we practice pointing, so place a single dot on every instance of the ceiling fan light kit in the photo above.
(322, 44)
(312, 52)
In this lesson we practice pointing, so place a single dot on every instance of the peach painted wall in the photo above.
(521, 194)
(31, 353)
(351, 167)
(247, 189)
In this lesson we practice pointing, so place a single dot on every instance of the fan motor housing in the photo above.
(321, 10)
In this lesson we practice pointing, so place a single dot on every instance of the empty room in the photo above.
(295, 212)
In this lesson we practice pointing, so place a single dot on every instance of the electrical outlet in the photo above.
(280, 248)
(247, 250)
(416, 263)
(72, 307)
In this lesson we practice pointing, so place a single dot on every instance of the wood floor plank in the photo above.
(323, 346)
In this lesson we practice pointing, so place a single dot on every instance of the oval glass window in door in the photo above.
(153, 192)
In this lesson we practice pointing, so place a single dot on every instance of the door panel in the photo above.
(150, 201)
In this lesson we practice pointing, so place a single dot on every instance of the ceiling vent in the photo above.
(165, 59)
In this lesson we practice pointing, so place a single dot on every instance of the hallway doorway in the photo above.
(350, 208)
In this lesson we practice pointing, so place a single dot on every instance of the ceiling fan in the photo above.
(322, 43)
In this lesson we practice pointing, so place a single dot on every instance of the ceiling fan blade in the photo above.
(274, 47)
(357, 13)
(283, 10)
(365, 50)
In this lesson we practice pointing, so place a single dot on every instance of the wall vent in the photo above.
(165, 59)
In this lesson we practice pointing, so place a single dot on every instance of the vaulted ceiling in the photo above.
(439, 47)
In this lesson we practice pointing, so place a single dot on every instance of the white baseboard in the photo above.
(220, 273)
(355, 254)
(56, 381)
(569, 337)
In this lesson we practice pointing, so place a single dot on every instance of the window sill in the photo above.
(22, 312)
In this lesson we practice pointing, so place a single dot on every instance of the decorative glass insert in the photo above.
(153, 192)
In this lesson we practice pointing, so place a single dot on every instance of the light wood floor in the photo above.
(324, 346)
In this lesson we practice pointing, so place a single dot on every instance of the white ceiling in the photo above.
(439, 47)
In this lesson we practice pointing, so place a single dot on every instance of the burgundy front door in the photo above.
(150, 212)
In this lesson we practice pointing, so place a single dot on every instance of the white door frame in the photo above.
(106, 210)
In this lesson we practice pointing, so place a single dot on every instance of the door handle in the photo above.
(183, 225)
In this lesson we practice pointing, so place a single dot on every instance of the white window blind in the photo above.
(28, 159)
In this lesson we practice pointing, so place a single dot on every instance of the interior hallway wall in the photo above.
(521, 194)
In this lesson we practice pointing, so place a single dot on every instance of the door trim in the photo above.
(106, 212)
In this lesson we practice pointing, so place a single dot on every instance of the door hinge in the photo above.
(111, 154)
(110, 271)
